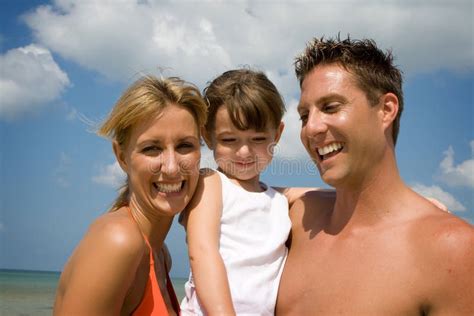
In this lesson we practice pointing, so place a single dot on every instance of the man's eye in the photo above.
(330, 107)
(304, 118)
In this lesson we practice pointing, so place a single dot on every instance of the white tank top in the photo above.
(254, 229)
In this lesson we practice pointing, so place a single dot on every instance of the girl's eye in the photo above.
(228, 140)
(259, 139)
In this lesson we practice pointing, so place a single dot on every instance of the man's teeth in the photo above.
(168, 188)
(329, 148)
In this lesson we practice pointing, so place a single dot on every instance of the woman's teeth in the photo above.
(168, 188)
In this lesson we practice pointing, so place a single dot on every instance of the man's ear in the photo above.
(120, 156)
(207, 138)
(279, 132)
(389, 109)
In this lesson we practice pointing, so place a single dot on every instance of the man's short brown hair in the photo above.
(372, 68)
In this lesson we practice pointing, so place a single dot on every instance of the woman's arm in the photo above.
(203, 231)
(98, 275)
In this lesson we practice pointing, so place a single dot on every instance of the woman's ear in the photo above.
(120, 156)
(389, 109)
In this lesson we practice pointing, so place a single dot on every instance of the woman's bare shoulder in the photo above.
(102, 267)
(111, 240)
(118, 231)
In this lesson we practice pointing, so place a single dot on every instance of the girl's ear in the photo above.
(207, 138)
(120, 156)
(279, 132)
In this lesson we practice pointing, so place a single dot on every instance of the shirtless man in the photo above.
(380, 249)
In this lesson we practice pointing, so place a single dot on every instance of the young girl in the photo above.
(237, 226)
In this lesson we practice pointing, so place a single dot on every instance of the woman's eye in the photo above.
(150, 149)
(186, 146)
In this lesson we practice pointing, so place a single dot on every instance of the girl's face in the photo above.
(241, 155)
(161, 160)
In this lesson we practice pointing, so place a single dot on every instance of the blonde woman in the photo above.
(121, 265)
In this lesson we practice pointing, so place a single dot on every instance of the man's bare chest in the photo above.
(354, 276)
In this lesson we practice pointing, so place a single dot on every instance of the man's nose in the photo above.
(316, 124)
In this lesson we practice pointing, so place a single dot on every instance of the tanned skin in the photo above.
(379, 248)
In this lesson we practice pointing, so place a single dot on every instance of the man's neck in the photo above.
(371, 200)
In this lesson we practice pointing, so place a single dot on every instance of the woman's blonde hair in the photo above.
(144, 99)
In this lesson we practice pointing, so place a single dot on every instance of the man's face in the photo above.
(341, 131)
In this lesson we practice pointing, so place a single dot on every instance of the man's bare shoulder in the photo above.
(446, 234)
(443, 245)
(443, 238)
(312, 207)
(315, 200)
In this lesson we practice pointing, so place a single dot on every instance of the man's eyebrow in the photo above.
(330, 97)
(324, 99)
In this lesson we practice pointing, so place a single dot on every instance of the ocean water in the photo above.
(25, 293)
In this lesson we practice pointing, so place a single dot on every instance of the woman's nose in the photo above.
(170, 164)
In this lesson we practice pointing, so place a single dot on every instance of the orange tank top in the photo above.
(152, 301)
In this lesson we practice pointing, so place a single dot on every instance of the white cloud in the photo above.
(198, 41)
(436, 192)
(457, 175)
(120, 39)
(29, 79)
(110, 175)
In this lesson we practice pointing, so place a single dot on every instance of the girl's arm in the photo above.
(97, 277)
(203, 231)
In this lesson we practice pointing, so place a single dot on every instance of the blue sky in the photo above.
(63, 64)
